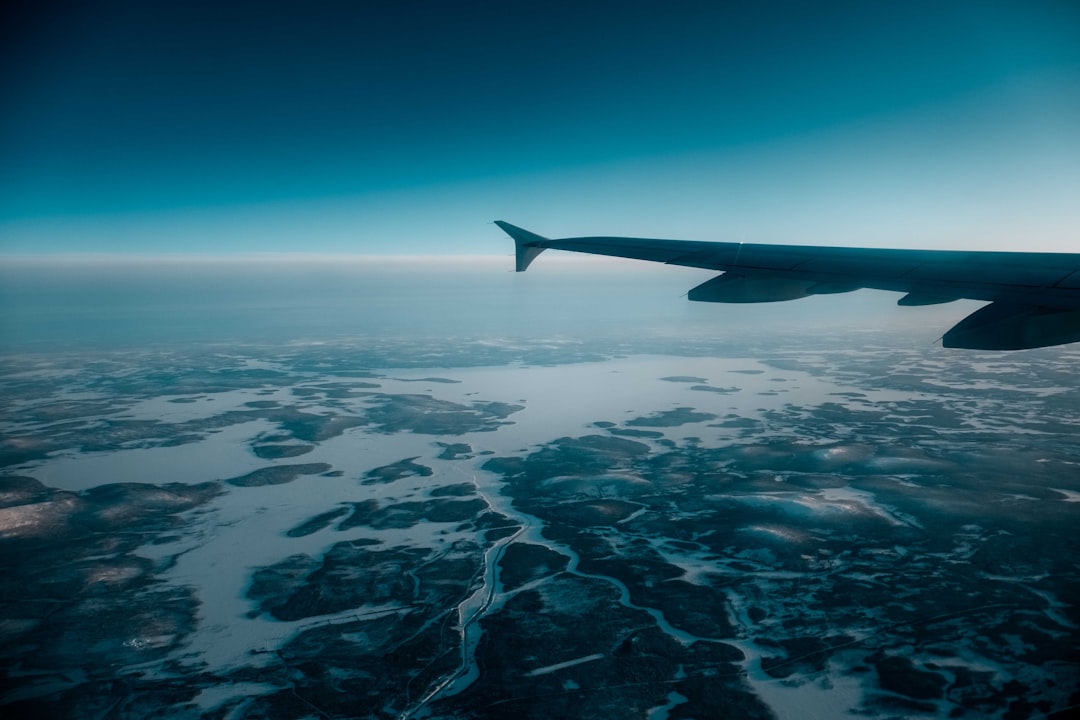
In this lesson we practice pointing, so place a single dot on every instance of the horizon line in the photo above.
(263, 256)
(283, 257)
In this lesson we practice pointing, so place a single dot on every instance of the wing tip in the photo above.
(527, 245)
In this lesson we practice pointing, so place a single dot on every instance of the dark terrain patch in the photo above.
(455, 451)
(278, 474)
(524, 562)
(369, 513)
(429, 416)
(353, 574)
(278, 452)
(738, 422)
(74, 585)
(408, 514)
(899, 675)
(588, 513)
(671, 418)
(355, 668)
(571, 617)
(458, 490)
(630, 432)
(317, 523)
(395, 471)
(722, 391)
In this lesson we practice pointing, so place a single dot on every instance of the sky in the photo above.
(404, 127)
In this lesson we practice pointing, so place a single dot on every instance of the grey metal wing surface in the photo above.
(1034, 298)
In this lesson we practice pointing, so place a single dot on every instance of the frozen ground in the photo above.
(326, 531)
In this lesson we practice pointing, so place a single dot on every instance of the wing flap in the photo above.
(1000, 326)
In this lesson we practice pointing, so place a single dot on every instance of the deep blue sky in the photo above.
(394, 127)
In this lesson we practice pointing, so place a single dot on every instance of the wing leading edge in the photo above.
(1034, 297)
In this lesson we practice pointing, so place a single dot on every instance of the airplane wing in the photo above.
(1034, 297)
